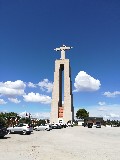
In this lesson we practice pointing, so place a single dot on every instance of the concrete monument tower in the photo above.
(62, 109)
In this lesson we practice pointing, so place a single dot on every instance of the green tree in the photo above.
(25, 120)
(2, 121)
(9, 118)
(41, 121)
(82, 113)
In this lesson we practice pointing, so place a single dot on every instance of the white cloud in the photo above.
(36, 97)
(112, 116)
(14, 100)
(111, 94)
(39, 115)
(102, 109)
(16, 85)
(2, 101)
(101, 103)
(84, 82)
(111, 112)
(12, 88)
(46, 85)
(22, 114)
(30, 84)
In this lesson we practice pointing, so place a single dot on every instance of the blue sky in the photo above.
(29, 32)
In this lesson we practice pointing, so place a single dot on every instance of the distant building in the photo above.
(93, 119)
(80, 122)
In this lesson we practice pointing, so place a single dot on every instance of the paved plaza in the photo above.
(73, 143)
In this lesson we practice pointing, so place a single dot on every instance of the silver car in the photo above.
(22, 128)
(46, 127)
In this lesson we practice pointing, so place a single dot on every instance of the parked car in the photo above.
(90, 125)
(46, 127)
(21, 128)
(85, 124)
(3, 131)
(69, 124)
(98, 125)
(64, 125)
(56, 126)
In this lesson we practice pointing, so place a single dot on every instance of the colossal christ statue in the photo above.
(62, 49)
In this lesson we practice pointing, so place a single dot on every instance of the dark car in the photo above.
(56, 126)
(90, 125)
(3, 131)
(84, 124)
(98, 125)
